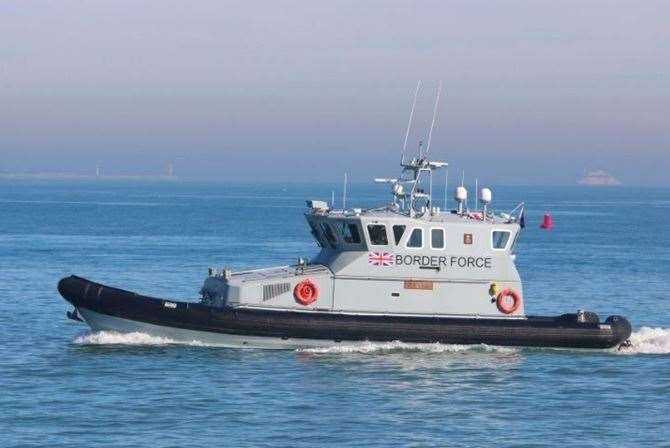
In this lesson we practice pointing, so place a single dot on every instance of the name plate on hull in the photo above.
(418, 284)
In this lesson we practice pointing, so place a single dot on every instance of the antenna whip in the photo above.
(409, 123)
(344, 193)
(432, 124)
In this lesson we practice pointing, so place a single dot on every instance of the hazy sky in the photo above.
(534, 91)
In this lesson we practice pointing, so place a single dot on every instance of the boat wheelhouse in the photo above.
(409, 258)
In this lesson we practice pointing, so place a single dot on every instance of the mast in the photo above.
(408, 196)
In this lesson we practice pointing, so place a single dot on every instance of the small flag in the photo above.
(522, 218)
(380, 258)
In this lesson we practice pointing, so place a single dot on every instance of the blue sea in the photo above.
(63, 386)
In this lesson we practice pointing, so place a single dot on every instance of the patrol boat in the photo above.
(408, 271)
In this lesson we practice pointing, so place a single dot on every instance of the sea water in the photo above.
(61, 385)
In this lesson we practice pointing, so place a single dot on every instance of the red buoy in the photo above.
(548, 222)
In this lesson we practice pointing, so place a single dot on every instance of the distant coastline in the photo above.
(102, 177)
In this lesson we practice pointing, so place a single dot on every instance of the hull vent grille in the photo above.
(274, 290)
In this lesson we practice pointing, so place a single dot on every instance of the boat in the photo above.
(409, 271)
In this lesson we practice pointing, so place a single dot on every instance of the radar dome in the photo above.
(485, 195)
(461, 194)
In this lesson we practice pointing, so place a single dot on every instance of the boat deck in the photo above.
(280, 272)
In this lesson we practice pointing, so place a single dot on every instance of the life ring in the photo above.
(306, 292)
(503, 305)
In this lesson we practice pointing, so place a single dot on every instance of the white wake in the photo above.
(648, 341)
(134, 338)
(397, 346)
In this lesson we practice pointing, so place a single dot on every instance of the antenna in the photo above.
(476, 194)
(332, 199)
(432, 124)
(430, 192)
(344, 193)
(446, 187)
(409, 123)
(463, 185)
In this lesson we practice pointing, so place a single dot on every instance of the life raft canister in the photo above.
(306, 292)
(504, 304)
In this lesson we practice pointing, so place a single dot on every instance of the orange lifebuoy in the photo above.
(306, 292)
(504, 305)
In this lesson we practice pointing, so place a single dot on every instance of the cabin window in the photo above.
(415, 238)
(398, 232)
(514, 241)
(437, 238)
(377, 234)
(330, 236)
(316, 233)
(348, 232)
(500, 239)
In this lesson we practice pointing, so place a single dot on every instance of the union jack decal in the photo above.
(381, 258)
